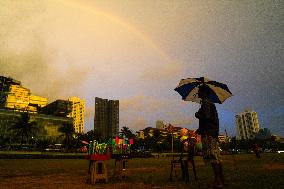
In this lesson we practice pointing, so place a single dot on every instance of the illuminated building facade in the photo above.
(140, 134)
(77, 113)
(15, 99)
(247, 124)
(222, 138)
(48, 124)
(37, 102)
(106, 120)
(14, 96)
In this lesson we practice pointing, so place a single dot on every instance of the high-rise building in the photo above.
(113, 117)
(77, 113)
(160, 124)
(247, 124)
(14, 96)
(106, 120)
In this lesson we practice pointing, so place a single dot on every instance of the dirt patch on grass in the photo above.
(273, 166)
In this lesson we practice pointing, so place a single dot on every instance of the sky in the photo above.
(137, 52)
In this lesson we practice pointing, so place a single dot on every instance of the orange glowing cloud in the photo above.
(141, 102)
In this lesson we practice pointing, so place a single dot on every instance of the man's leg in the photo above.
(258, 154)
(220, 167)
(182, 169)
(193, 168)
(186, 174)
(215, 171)
(217, 175)
(90, 163)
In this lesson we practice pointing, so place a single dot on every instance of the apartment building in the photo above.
(247, 124)
(106, 120)
(77, 113)
(16, 97)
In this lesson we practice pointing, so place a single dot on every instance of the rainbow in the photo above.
(112, 18)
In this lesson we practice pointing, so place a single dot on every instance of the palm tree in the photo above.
(68, 131)
(24, 127)
(125, 131)
(93, 135)
(43, 143)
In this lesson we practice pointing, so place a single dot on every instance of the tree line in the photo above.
(24, 132)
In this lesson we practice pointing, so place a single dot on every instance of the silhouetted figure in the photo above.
(187, 146)
(256, 150)
(209, 131)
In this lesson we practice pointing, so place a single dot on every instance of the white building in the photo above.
(247, 124)
(160, 124)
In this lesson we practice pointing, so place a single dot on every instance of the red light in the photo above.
(116, 140)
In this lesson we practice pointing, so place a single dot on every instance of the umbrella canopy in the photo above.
(188, 89)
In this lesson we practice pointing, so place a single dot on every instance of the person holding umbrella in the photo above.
(207, 92)
(209, 131)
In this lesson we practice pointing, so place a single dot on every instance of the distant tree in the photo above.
(263, 134)
(147, 141)
(89, 136)
(157, 139)
(166, 146)
(4, 140)
(139, 143)
(125, 131)
(76, 142)
(43, 143)
(153, 140)
(23, 127)
(92, 135)
(233, 143)
(225, 146)
(68, 131)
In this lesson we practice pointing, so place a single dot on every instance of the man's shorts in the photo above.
(210, 149)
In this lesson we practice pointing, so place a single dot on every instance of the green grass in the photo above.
(241, 171)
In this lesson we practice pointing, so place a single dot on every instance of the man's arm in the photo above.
(204, 111)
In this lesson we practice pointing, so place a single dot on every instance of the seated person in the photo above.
(187, 146)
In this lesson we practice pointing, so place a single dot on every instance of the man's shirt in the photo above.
(208, 119)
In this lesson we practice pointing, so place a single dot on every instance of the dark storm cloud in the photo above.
(25, 55)
(31, 67)
(34, 69)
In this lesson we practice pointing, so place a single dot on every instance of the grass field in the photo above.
(241, 171)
